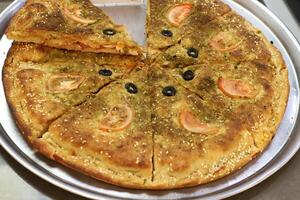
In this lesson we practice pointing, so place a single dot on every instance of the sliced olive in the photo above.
(169, 91)
(188, 75)
(167, 33)
(192, 52)
(131, 88)
(109, 32)
(105, 72)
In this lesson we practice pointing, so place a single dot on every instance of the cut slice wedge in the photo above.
(72, 25)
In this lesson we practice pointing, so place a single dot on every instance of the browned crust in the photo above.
(45, 149)
(194, 182)
(8, 89)
(282, 92)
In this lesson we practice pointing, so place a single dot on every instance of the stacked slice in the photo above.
(208, 98)
(70, 24)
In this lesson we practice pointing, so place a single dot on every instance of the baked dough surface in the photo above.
(34, 77)
(70, 24)
(207, 100)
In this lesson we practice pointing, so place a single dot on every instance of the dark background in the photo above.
(295, 7)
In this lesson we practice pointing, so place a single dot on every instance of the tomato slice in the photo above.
(74, 13)
(192, 124)
(117, 119)
(225, 41)
(236, 88)
(60, 83)
(178, 13)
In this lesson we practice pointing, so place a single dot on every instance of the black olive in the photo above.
(167, 33)
(131, 88)
(169, 91)
(105, 72)
(188, 75)
(192, 52)
(109, 32)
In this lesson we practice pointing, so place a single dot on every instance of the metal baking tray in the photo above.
(284, 145)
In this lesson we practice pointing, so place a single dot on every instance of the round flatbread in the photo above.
(206, 101)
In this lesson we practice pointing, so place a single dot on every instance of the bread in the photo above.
(70, 24)
(206, 101)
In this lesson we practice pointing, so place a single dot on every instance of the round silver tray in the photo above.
(283, 146)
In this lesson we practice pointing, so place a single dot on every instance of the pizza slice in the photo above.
(70, 24)
(229, 38)
(42, 83)
(169, 20)
(108, 137)
(192, 145)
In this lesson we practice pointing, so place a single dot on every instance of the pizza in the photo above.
(70, 24)
(206, 100)
(42, 83)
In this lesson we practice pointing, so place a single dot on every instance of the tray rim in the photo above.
(23, 159)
